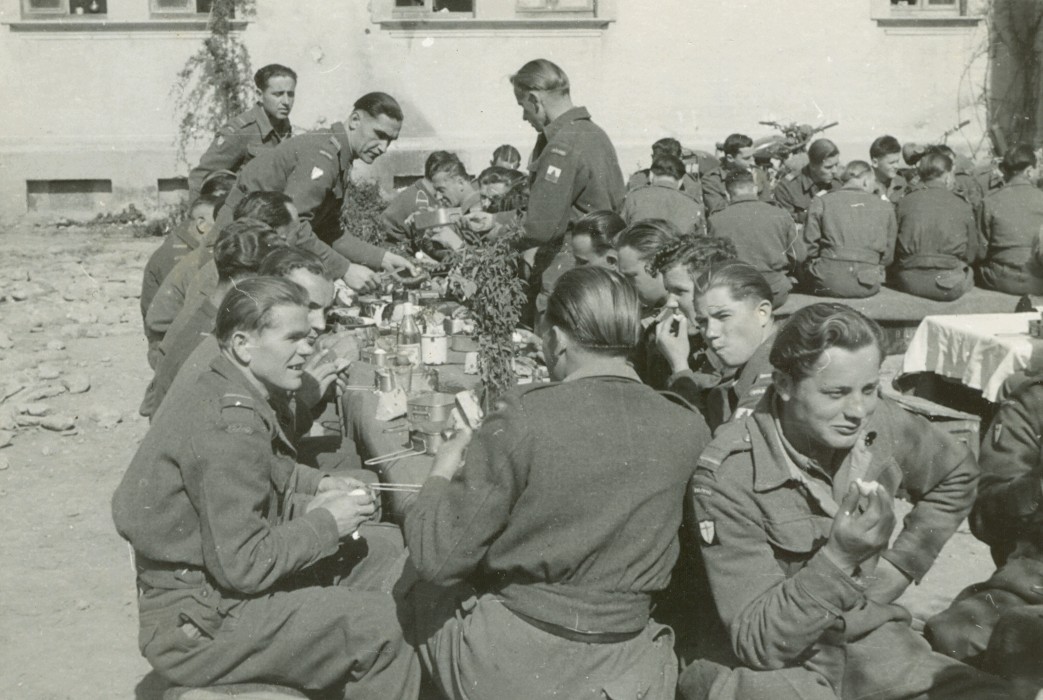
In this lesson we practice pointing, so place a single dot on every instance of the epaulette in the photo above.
(334, 149)
(791, 176)
(729, 439)
(239, 413)
(241, 121)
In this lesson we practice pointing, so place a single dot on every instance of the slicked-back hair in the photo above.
(444, 162)
(282, 261)
(602, 227)
(272, 70)
(648, 237)
(884, 146)
(248, 306)
(742, 281)
(541, 75)
(933, 165)
(855, 169)
(822, 150)
(815, 329)
(508, 153)
(666, 147)
(695, 253)
(206, 201)
(668, 166)
(376, 103)
(735, 143)
(496, 175)
(241, 246)
(1017, 160)
(738, 181)
(269, 207)
(598, 308)
(219, 182)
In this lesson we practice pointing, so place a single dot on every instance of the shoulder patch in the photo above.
(316, 173)
(553, 174)
(708, 532)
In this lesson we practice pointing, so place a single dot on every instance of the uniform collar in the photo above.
(572, 115)
(744, 198)
(341, 135)
(184, 233)
(224, 367)
(758, 361)
(934, 185)
(852, 187)
(625, 373)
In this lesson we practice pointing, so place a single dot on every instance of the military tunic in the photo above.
(766, 238)
(539, 613)
(176, 347)
(937, 237)
(799, 626)
(1011, 219)
(850, 240)
(175, 246)
(665, 202)
(417, 197)
(715, 192)
(236, 583)
(795, 192)
(313, 169)
(236, 143)
(690, 187)
(1007, 517)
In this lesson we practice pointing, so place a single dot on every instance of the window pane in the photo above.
(205, 6)
(942, 2)
(170, 5)
(44, 5)
(409, 3)
(560, 5)
(87, 7)
(454, 6)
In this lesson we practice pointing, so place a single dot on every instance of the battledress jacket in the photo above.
(763, 512)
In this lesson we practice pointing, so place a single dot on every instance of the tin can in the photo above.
(383, 380)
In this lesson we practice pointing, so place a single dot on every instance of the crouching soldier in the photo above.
(998, 624)
(247, 566)
(793, 514)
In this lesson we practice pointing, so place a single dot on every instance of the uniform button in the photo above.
(205, 593)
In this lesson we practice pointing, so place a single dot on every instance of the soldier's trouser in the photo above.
(891, 662)
(939, 285)
(1010, 279)
(475, 648)
(830, 277)
(964, 631)
(348, 636)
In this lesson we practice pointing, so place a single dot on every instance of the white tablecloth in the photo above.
(979, 350)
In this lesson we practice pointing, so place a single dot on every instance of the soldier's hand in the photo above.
(450, 455)
(320, 370)
(393, 262)
(349, 509)
(361, 278)
(340, 483)
(671, 337)
(480, 221)
(859, 532)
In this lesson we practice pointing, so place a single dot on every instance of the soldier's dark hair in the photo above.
(739, 181)
(933, 165)
(814, 329)
(541, 75)
(270, 207)
(598, 308)
(884, 146)
(666, 147)
(376, 103)
(219, 182)
(282, 261)
(856, 168)
(506, 153)
(1017, 159)
(668, 166)
(241, 246)
(495, 175)
(735, 143)
(742, 281)
(648, 237)
(602, 227)
(249, 305)
(206, 201)
(272, 70)
(944, 149)
(444, 162)
(695, 253)
(821, 150)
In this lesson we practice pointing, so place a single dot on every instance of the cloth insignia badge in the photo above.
(559, 151)
(316, 173)
(708, 531)
(553, 174)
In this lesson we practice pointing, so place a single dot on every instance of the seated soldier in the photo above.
(690, 186)
(506, 157)
(593, 239)
(452, 183)
(1010, 219)
(662, 199)
(937, 235)
(849, 238)
(997, 625)
(185, 237)
(247, 567)
(241, 246)
(764, 235)
(508, 605)
(732, 303)
(493, 184)
(792, 509)
(885, 155)
(797, 190)
(738, 157)
(416, 197)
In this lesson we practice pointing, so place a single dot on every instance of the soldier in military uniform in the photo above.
(739, 156)
(1011, 219)
(314, 168)
(416, 197)
(246, 566)
(691, 186)
(885, 155)
(763, 234)
(997, 625)
(937, 235)
(849, 238)
(263, 126)
(792, 508)
(797, 189)
(662, 199)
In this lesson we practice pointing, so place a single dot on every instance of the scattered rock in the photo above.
(5, 463)
(58, 423)
(77, 383)
(47, 451)
(82, 604)
(45, 392)
(106, 418)
(71, 330)
(8, 418)
(18, 293)
(6, 436)
(55, 345)
(48, 372)
(34, 409)
(5, 341)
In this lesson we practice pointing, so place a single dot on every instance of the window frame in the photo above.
(160, 13)
(960, 13)
(495, 15)
(28, 11)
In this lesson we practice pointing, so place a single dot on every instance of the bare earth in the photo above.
(68, 620)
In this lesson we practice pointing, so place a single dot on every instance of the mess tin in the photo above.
(430, 410)
(433, 218)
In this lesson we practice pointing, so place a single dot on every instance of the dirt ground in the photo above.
(68, 620)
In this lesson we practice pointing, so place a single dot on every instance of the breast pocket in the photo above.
(794, 536)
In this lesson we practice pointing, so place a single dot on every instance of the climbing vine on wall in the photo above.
(215, 83)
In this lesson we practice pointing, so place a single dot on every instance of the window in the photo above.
(928, 12)
(951, 7)
(555, 5)
(492, 14)
(64, 8)
(180, 7)
(421, 8)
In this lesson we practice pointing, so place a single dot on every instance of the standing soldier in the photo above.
(263, 126)
(796, 191)
(850, 238)
(1011, 218)
(313, 169)
(936, 235)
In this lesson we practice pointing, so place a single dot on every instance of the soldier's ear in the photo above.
(354, 120)
(783, 385)
(764, 311)
(240, 345)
